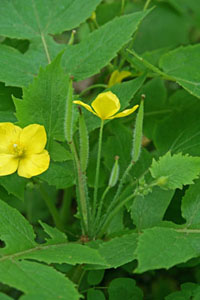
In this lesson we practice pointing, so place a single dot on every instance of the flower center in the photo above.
(18, 151)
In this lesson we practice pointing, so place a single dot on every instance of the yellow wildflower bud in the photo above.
(106, 105)
(22, 150)
(117, 77)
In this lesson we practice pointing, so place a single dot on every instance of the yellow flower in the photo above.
(22, 150)
(117, 77)
(106, 105)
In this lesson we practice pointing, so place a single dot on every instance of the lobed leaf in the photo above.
(178, 169)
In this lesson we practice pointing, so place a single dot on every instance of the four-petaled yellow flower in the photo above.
(106, 105)
(117, 77)
(22, 150)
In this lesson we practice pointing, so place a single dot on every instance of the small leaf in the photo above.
(124, 288)
(178, 169)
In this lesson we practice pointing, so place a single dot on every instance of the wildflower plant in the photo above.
(99, 149)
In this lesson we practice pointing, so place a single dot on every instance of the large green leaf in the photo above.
(191, 204)
(20, 244)
(161, 247)
(81, 60)
(22, 275)
(183, 65)
(177, 170)
(180, 130)
(88, 57)
(30, 19)
(162, 28)
(44, 101)
(148, 210)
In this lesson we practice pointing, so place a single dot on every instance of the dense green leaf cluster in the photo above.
(131, 231)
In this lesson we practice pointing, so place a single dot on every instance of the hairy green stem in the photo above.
(115, 199)
(112, 214)
(96, 184)
(84, 209)
(101, 205)
(146, 5)
(150, 66)
(122, 7)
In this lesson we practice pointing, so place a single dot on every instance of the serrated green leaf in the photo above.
(88, 57)
(148, 210)
(38, 19)
(44, 101)
(55, 235)
(185, 71)
(15, 231)
(161, 247)
(22, 275)
(124, 288)
(81, 60)
(191, 204)
(178, 169)
(125, 247)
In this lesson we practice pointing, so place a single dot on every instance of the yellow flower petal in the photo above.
(117, 77)
(8, 164)
(33, 138)
(125, 113)
(34, 164)
(105, 105)
(9, 135)
(84, 105)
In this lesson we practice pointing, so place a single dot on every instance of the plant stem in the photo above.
(52, 208)
(114, 201)
(113, 213)
(45, 48)
(94, 86)
(150, 66)
(122, 7)
(101, 204)
(84, 209)
(97, 169)
(146, 5)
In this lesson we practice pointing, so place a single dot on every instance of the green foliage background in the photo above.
(150, 249)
